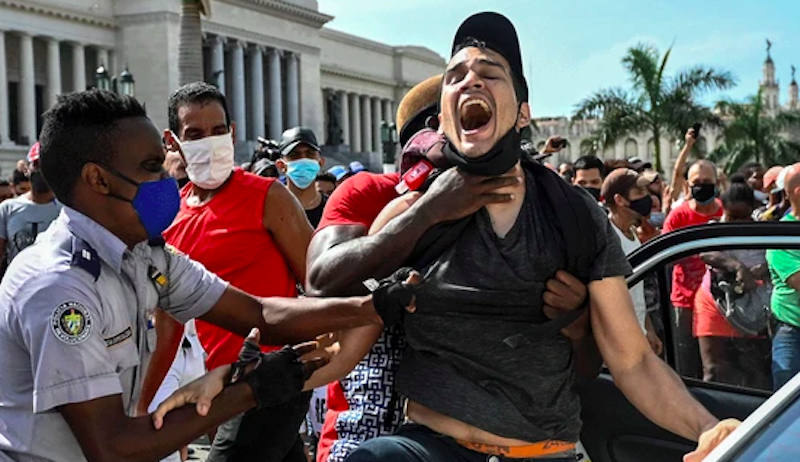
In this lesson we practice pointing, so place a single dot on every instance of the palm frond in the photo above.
(642, 63)
(699, 79)
(606, 100)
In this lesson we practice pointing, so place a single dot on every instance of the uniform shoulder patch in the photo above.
(71, 323)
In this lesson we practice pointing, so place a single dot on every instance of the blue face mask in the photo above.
(302, 172)
(657, 219)
(156, 202)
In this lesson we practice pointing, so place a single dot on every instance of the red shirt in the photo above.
(687, 273)
(227, 236)
(357, 201)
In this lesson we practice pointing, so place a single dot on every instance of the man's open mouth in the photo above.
(475, 114)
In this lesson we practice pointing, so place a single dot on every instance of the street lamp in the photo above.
(126, 84)
(102, 79)
(123, 85)
(389, 142)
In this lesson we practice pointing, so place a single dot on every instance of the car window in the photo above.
(778, 441)
(713, 311)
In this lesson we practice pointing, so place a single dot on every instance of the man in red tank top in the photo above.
(251, 232)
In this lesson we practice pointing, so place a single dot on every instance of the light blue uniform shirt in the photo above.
(76, 325)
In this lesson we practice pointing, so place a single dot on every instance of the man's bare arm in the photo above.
(289, 320)
(168, 337)
(354, 344)
(794, 281)
(340, 257)
(648, 383)
(105, 433)
(286, 220)
(679, 171)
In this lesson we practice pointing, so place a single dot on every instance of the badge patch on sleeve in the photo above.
(71, 323)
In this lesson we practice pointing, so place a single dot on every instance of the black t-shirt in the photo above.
(315, 215)
(483, 291)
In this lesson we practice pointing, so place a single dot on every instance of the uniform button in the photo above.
(493, 459)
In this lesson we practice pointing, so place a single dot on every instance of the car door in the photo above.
(613, 430)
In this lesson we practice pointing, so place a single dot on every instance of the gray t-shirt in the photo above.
(21, 220)
(483, 291)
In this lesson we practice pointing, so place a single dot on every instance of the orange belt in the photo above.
(542, 448)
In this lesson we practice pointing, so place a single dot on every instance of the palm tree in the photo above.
(190, 44)
(656, 103)
(749, 134)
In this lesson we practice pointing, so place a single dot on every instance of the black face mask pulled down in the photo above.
(38, 183)
(500, 159)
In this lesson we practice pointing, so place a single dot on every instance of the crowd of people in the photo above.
(143, 270)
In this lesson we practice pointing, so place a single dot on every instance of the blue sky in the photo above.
(574, 47)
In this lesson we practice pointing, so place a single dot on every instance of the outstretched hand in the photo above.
(202, 391)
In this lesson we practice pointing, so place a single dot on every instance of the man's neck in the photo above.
(199, 196)
(37, 198)
(623, 224)
(704, 209)
(309, 197)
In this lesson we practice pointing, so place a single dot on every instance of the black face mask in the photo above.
(642, 206)
(595, 192)
(704, 194)
(38, 183)
(182, 182)
(499, 160)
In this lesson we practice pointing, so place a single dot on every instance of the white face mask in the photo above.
(209, 161)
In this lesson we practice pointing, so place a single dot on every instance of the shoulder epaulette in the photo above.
(86, 258)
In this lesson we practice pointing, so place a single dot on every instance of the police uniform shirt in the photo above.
(76, 325)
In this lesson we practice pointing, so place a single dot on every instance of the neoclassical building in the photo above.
(275, 60)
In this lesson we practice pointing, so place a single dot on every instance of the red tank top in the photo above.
(227, 236)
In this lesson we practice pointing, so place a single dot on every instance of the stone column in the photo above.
(102, 59)
(344, 116)
(218, 63)
(78, 68)
(237, 88)
(293, 92)
(376, 124)
(355, 122)
(27, 89)
(388, 114)
(256, 69)
(366, 124)
(275, 97)
(53, 72)
(4, 125)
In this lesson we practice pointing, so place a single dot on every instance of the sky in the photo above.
(572, 48)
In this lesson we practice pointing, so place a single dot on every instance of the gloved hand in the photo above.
(274, 377)
(394, 295)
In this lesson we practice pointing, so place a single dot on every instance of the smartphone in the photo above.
(560, 144)
(696, 128)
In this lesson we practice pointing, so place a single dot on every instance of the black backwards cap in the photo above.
(498, 34)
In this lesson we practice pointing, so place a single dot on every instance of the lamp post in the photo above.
(102, 79)
(389, 142)
(123, 85)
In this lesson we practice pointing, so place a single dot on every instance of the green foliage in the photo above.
(750, 135)
(661, 105)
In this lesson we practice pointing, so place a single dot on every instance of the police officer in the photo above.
(75, 311)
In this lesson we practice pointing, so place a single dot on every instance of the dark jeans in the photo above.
(688, 350)
(737, 361)
(263, 435)
(416, 443)
(785, 354)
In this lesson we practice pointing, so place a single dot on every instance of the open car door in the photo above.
(613, 430)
